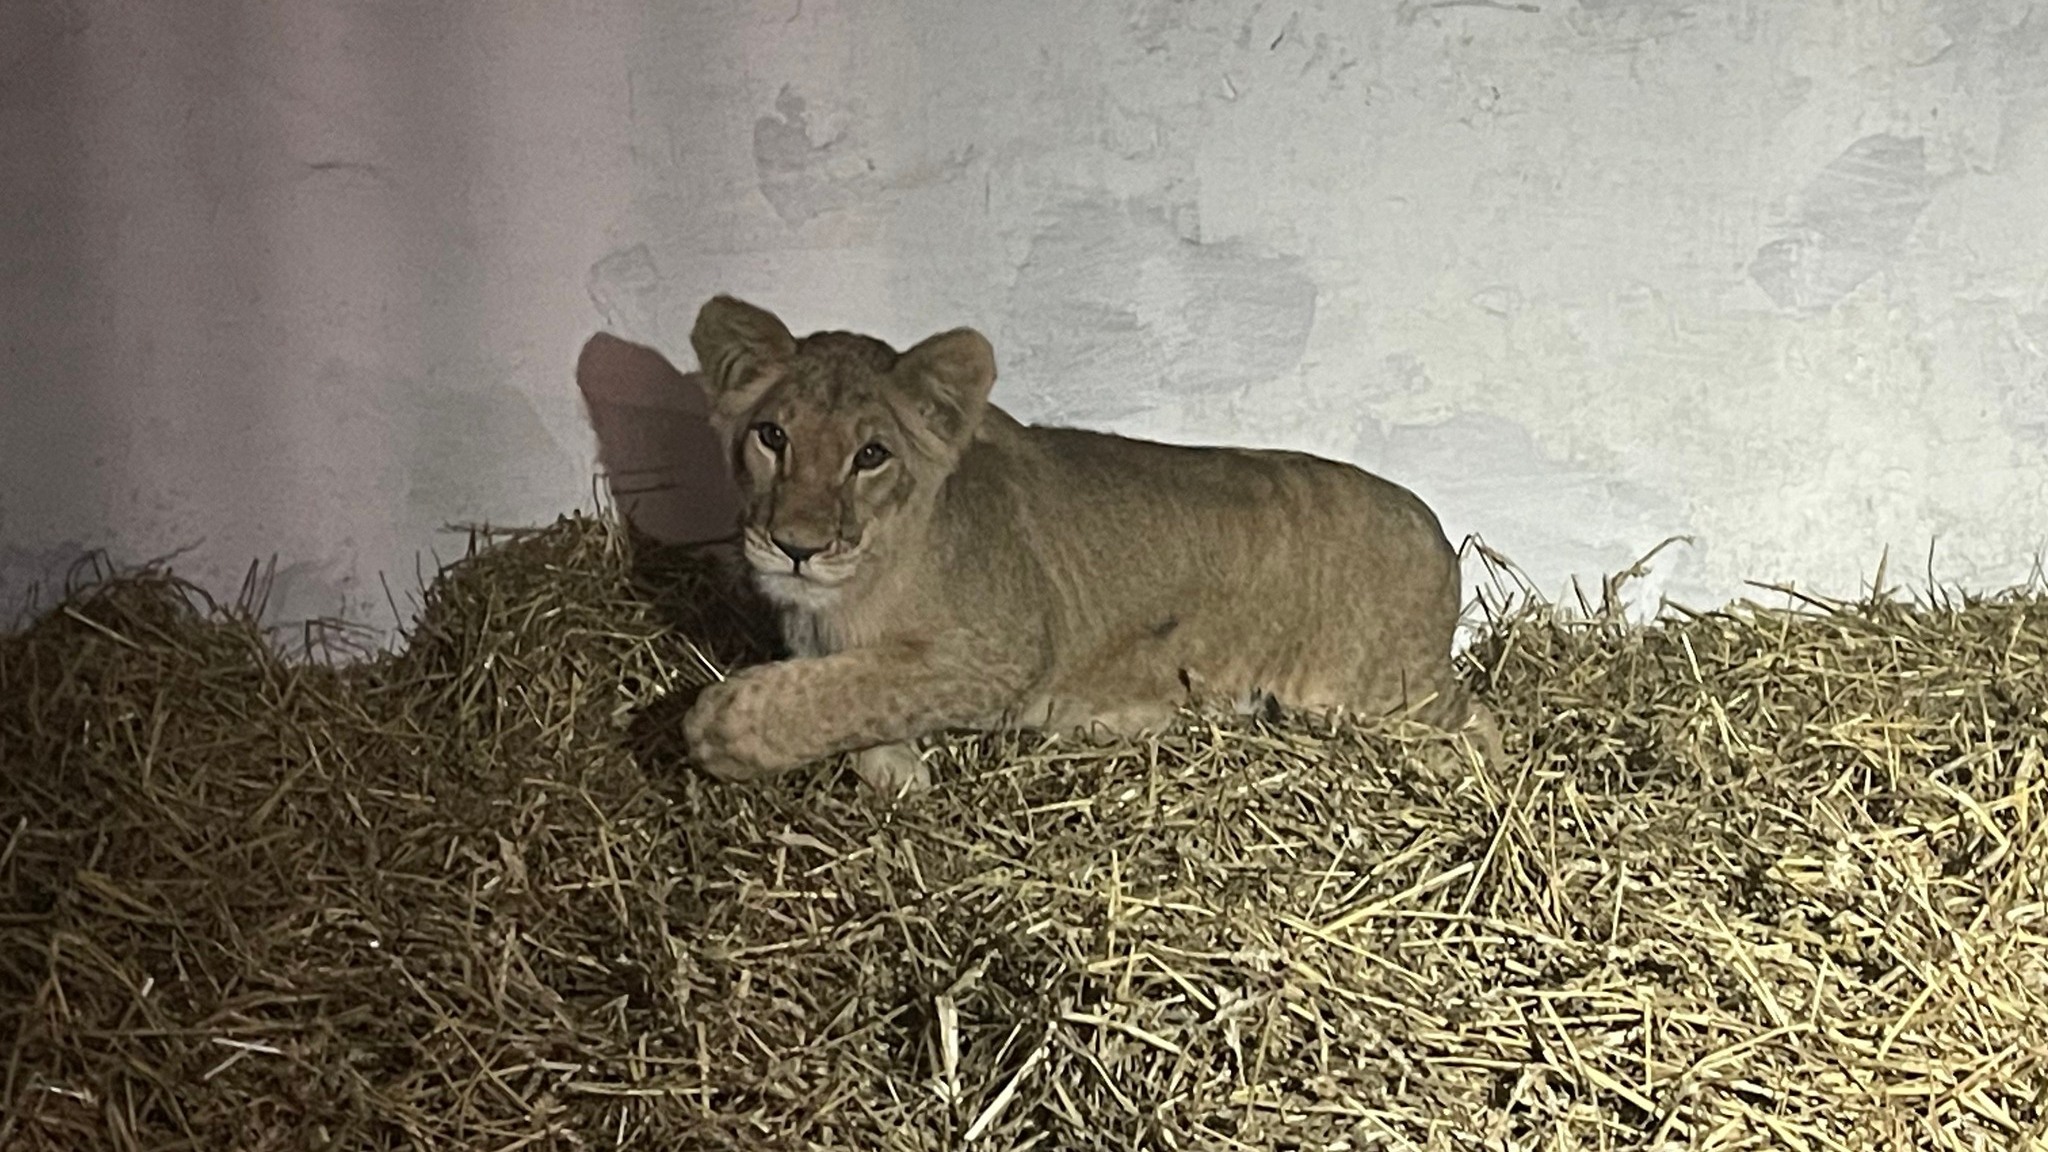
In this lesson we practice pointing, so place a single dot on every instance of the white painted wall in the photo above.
(311, 279)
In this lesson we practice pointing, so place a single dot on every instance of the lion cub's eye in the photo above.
(870, 457)
(772, 437)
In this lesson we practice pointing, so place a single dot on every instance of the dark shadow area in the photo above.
(667, 476)
(702, 591)
(54, 427)
(662, 463)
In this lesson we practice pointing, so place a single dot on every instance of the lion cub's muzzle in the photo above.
(827, 564)
(797, 553)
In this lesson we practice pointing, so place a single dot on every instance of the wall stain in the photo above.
(1116, 310)
(315, 590)
(628, 290)
(1410, 10)
(2026, 400)
(1546, 514)
(35, 578)
(1852, 221)
(1632, 23)
(802, 180)
(477, 453)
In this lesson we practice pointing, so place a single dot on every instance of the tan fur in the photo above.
(990, 574)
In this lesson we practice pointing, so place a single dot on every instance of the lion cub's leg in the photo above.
(1129, 721)
(773, 717)
(892, 769)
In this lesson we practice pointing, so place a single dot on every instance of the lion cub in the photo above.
(939, 565)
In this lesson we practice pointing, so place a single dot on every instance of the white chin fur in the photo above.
(793, 591)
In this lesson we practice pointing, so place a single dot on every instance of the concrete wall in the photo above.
(311, 280)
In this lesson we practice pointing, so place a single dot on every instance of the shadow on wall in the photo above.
(56, 437)
(663, 465)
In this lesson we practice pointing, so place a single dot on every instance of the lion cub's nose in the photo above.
(797, 552)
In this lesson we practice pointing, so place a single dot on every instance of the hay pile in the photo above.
(1758, 878)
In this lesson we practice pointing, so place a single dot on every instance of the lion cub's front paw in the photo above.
(718, 734)
(892, 769)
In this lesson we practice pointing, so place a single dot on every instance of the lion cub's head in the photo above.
(838, 441)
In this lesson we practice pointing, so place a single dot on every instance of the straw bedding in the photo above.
(1750, 878)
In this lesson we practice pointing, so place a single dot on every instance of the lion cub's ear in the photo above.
(950, 376)
(735, 342)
